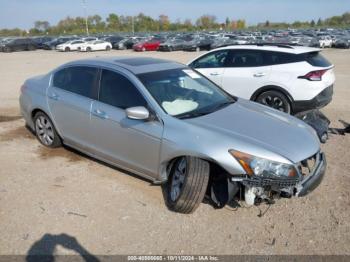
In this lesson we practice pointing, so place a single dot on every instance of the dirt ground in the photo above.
(59, 198)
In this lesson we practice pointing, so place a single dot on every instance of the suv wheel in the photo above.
(276, 100)
(45, 131)
(187, 184)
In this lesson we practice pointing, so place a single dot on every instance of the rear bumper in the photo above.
(314, 180)
(319, 101)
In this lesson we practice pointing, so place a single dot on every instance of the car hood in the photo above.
(250, 124)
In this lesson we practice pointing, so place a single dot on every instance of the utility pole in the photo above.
(86, 18)
(132, 25)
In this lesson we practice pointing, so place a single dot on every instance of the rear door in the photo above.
(212, 65)
(245, 73)
(70, 96)
(134, 144)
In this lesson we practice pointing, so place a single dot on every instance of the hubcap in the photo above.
(44, 130)
(178, 179)
(274, 102)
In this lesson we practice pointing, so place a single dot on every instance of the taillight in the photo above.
(314, 75)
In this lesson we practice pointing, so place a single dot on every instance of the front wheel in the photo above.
(45, 131)
(276, 100)
(108, 48)
(187, 184)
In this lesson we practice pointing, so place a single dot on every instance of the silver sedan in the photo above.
(168, 123)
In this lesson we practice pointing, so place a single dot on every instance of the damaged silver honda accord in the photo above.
(168, 123)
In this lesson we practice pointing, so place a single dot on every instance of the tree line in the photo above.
(143, 23)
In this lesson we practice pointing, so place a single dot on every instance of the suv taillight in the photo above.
(314, 75)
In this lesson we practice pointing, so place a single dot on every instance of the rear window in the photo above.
(316, 59)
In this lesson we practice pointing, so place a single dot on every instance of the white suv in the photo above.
(289, 78)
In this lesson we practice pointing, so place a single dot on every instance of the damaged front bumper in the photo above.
(310, 174)
(312, 181)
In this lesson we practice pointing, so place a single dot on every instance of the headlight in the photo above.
(263, 167)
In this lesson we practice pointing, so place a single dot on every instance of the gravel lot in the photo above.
(50, 197)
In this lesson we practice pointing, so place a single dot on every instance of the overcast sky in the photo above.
(23, 13)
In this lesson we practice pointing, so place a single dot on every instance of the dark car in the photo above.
(51, 45)
(172, 45)
(342, 43)
(221, 42)
(197, 44)
(114, 40)
(18, 44)
(39, 41)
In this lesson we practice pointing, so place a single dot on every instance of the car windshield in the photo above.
(184, 93)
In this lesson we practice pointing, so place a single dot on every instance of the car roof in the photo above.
(136, 65)
(278, 48)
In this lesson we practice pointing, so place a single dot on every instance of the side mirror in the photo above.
(137, 112)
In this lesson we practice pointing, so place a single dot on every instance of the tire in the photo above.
(276, 100)
(108, 48)
(187, 184)
(7, 49)
(67, 49)
(88, 49)
(45, 131)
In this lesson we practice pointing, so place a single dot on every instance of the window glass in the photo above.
(118, 91)
(245, 58)
(184, 92)
(212, 60)
(276, 58)
(78, 79)
(316, 59)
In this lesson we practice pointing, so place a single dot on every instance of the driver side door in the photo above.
(132, 144)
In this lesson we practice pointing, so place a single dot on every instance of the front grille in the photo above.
(277, 182)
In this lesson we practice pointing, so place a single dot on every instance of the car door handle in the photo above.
(259, 74)
(54, 96)
(100, 114)
(214, 74)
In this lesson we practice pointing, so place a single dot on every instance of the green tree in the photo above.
(113, 22)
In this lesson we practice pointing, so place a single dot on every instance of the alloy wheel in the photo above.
(44, 130)
(178, 178)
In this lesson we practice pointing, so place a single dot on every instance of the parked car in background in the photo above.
(167, 123)
(199, 43)
(342, 43)
(51, 45)
(128, 43)
(114, 40)
(72, 45)
(325, 41)
(173, 44)
(40, 40)
(18, 44)
(288, 78)
(97, 45)
(150, 45)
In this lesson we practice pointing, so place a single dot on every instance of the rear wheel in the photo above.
(187, 184)
(88, 49)
(276, 100)
(108, 48)
(45, 131)
(67, 49)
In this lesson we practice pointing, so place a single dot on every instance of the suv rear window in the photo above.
(316, 59)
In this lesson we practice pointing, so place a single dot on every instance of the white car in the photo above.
(72, 45)
(95, 46)
(325, 41)
(288, 78)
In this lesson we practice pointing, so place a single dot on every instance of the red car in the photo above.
(151, 45)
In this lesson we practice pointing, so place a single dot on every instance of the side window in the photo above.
(212, 60)
(245, 58)
(276, 58)
(116, 90)
(78, 79)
